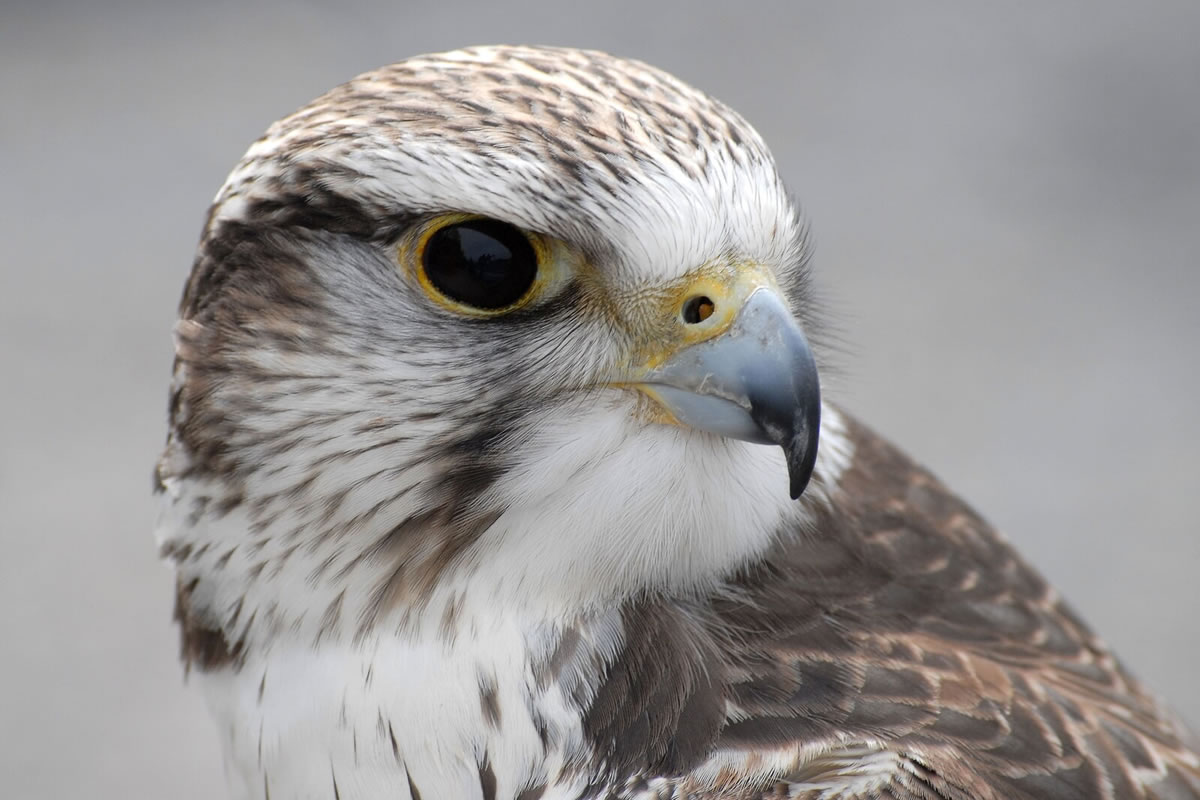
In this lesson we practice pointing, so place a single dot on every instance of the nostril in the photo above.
(698, 309)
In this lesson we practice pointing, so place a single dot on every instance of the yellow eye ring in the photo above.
(477, 266)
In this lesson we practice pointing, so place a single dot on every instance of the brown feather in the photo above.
(901, 621)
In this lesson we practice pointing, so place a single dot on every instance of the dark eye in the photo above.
(482, 263)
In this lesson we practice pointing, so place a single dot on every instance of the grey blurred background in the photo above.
(1006, 200)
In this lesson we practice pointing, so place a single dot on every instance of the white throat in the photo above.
(316, 697)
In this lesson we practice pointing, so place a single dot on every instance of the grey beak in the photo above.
(757, 381)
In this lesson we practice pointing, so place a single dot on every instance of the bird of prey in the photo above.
(498, 468)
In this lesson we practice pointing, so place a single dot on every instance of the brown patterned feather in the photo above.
(901, 624)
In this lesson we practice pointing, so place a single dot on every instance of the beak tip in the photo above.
(801, 452)
(800, 472)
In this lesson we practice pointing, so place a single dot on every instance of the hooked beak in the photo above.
(753, 380)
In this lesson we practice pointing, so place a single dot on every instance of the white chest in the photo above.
(477, 717)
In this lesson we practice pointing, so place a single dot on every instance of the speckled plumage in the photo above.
(421, 555)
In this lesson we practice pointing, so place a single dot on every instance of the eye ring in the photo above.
(479, 266)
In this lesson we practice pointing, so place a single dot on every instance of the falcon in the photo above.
(498, 468)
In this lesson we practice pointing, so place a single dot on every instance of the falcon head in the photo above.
(492, 402)
(507, 320)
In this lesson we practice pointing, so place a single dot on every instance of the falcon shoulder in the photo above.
(897, 647)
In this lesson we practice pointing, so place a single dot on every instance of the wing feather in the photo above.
(900, 648)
